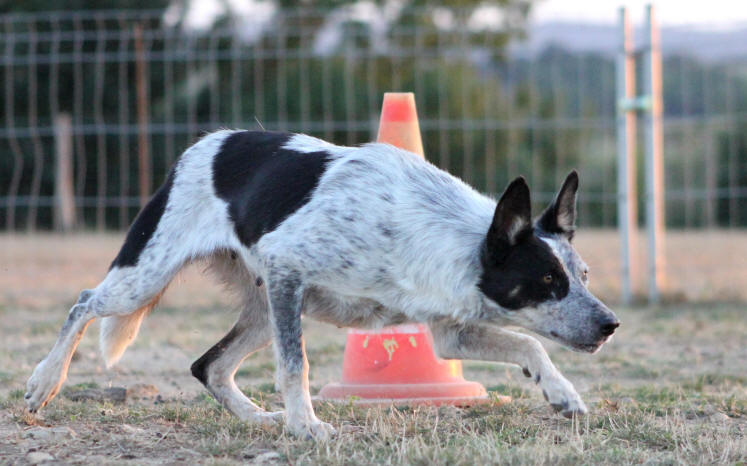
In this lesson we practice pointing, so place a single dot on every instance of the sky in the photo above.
(669, 12)
(708, 13)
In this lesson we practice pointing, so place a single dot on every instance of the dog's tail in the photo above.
(117, 332)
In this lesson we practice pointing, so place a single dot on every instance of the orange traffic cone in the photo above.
(398, 364)
(398, 124)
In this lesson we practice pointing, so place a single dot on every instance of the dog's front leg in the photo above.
(286, 293)
(459, 341)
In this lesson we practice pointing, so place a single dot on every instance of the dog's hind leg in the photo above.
(217, 367)
(252, 332)
(183, 221)
(124, 290)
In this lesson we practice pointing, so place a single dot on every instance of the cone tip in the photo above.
(398, 106)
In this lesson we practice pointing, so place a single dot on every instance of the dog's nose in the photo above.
(607, 328)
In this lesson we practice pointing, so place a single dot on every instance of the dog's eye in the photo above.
(585, 275)
(547, 278)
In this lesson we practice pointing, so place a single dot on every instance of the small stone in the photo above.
(128, 429)
(49, 434)
(718, 417)
(37, 457)
(267, 457)
(114, 394)
(141, 390)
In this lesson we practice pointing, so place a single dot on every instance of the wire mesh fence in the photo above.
(138, 90)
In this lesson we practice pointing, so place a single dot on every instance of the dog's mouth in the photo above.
(580, 347)
(586, 348)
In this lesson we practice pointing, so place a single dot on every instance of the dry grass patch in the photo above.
(693, 410)
(666, 425)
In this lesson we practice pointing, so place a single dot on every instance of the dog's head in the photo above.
(533, 277)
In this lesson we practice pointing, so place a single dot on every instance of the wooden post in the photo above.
(145, 175)
(654, 157)
(64, 212)
(627, 216)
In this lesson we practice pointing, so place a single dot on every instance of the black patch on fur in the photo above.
(524, 265)
(84, 296)
(512, 218)
(73, 316)
(515, 262)
(200, 367)
(263, 183)
(144, 226)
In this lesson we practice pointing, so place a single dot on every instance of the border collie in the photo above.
(366, 237)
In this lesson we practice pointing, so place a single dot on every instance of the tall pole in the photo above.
(63, 187)
(654, 157)
(145, 175)
(626, 172)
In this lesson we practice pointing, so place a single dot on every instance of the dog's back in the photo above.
(347, 214)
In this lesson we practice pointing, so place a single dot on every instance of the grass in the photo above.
(694, 414)
(671, 388)
(662, 425)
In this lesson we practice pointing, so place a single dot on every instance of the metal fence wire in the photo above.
(138, 90)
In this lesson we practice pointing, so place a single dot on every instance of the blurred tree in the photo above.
(484, 119)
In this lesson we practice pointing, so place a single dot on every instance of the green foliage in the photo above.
(483, 117)
(26, 6)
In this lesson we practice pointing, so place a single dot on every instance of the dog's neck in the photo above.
(450, 287)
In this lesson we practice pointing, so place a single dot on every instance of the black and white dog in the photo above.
(364, 236)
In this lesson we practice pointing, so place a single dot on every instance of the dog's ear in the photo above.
(513, 216)
(560, 215)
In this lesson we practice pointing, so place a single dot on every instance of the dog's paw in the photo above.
(312, 430)
(563, 398)
(570, 408)
(42, 386)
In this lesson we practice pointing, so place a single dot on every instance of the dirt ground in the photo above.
(670, 388)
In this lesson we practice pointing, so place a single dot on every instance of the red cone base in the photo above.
(397, 365)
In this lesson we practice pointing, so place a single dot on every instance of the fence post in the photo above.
(145, 176)
(64, 212)
(627, 217)
(654, 157)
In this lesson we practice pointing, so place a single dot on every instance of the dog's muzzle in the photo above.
(601, 328)
(607, 326)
